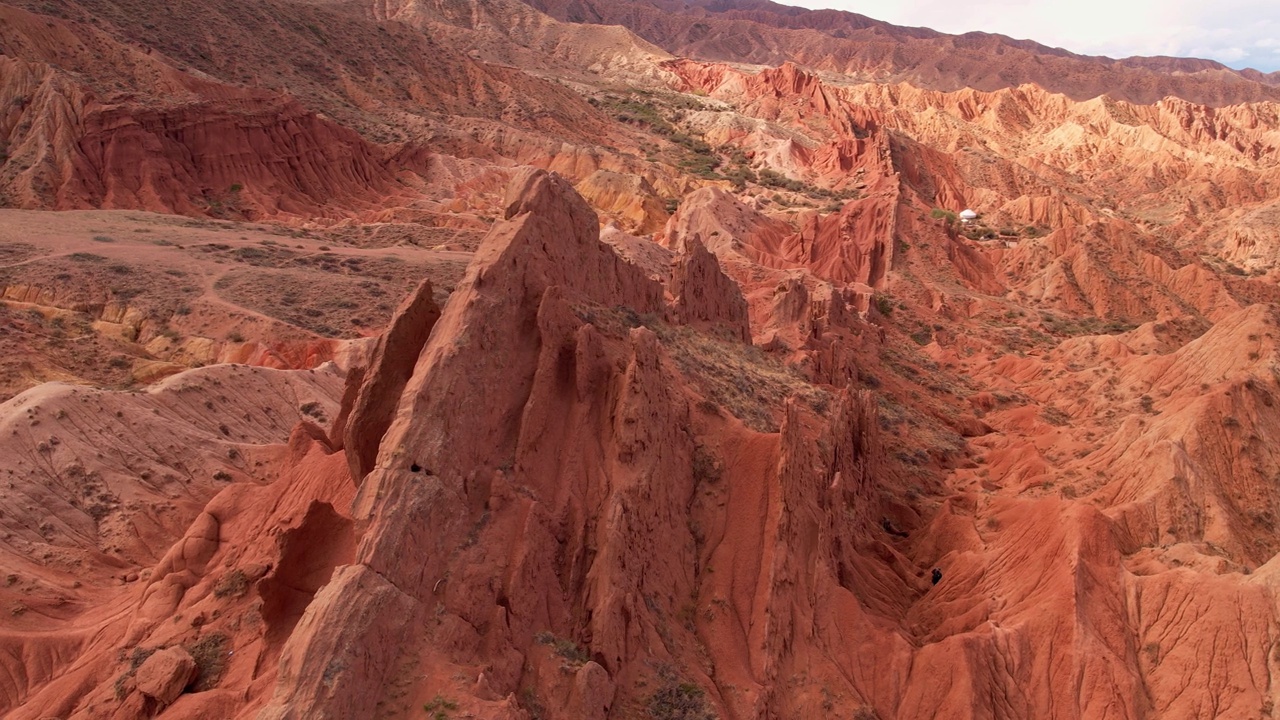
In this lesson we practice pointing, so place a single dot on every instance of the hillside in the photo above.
(855, 46)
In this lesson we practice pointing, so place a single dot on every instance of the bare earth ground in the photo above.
(94, 295)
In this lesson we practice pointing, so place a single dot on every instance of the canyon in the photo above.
(625, 359)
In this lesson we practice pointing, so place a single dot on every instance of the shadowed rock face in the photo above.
(375, 388)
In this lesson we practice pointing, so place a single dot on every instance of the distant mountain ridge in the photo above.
(768, 33)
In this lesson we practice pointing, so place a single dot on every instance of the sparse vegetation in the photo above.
(663, 114)
(313, 409)
(1072, 327)
(923, 336)
(677, 699)
(738, 378)
(136, 658)
(706, 467)
(866, 712)
(1152, 651)
(529, 700)
(1055, 416)
(773, 179)
(567, 649)
(440, 707)
(210, 655)
(233, 584)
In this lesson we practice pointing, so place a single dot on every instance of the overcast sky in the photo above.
(1239, 33)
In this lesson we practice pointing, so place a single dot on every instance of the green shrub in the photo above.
(211, 659)
(947, 215)
(565, 648)
(678, 700)
(440, 707)
(774, 179)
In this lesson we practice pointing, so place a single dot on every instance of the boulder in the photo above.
(165, 674)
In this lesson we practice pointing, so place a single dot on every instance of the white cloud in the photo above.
(1240, 33)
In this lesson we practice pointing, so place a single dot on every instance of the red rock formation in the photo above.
(704, 296)
(228, 593)
(630, 199)
(548, 249)
(555, 516)
(209, 147)
(202, 143)
(854, 245)
(373, 389)
(725, 225)
(567, 495)
(600, 546)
